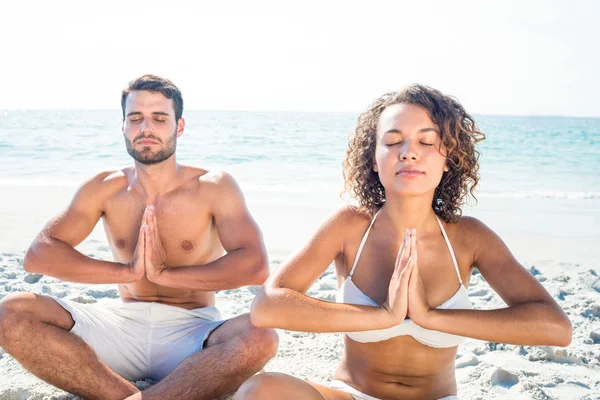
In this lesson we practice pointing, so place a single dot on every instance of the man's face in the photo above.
(149, 128)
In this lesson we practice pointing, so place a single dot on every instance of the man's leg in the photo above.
(35, 331)
(234, 352)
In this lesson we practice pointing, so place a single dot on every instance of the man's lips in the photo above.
(147, 141)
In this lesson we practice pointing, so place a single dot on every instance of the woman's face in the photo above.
(409, 156)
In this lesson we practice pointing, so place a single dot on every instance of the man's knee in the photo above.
(260, 386)
(20, 311)
(265, 341)
(11, 306)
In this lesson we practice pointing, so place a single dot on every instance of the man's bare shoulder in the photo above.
(113, 179)
(208, 184)
(209, 180)
(216, 178)
(107, 183)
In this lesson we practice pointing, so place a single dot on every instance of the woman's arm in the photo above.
(532, 316)
(281, 303)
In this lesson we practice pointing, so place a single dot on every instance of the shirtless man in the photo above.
(178, 234)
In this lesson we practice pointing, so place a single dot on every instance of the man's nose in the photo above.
(146, 126)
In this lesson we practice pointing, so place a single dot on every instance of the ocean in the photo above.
(534, 169)
(521, 156)
(539, 191)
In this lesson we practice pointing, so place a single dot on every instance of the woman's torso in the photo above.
(402, 366)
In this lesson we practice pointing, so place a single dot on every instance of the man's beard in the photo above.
(148, 157)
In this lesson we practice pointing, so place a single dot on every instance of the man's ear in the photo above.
(180, 126)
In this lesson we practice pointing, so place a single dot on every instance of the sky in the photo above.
(496, 57)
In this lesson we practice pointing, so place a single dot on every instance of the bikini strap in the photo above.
(362, 243)
(450, 248)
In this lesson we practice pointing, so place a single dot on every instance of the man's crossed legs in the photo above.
(42, 335)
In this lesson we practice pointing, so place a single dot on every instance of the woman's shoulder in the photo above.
(468, 226)
(472, 234)
(351, 217)
(345, 223)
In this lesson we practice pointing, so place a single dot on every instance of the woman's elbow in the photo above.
(564, 332)
(561, 331)
(259, 310)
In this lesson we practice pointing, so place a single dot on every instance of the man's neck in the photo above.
(157, 179)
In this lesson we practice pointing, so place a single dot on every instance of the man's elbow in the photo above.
(31, 262)
(259, 270)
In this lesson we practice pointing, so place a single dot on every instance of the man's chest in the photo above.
(186, 230)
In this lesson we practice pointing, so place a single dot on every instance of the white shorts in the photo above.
(358, 395)
(141, 340)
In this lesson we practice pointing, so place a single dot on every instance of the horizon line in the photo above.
(301, 111)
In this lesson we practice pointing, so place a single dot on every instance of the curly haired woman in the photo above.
(403, 258)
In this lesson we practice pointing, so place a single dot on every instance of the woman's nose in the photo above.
(408, 151)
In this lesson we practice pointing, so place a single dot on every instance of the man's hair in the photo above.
(458, 133)
(153, 83)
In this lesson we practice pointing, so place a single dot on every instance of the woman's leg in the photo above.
(273, 385)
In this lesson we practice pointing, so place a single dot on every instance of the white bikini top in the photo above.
(349, 293)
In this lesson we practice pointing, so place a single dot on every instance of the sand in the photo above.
(564, 260)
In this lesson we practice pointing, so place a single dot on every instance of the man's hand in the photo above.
(154, 255)
(137, 264)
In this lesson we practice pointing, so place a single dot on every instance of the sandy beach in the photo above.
(271, 92)
(562, 254)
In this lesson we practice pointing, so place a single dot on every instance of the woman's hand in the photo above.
(418, 307)
(397, 302)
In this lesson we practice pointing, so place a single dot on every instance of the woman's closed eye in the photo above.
(394, 143)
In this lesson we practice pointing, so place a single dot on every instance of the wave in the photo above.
(41, 183)
(317, 187)
(543, 195)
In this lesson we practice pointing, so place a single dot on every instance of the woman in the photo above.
(403, 260)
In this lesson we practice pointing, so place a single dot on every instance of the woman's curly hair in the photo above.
(458, 133)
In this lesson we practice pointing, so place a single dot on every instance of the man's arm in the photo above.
(53, 250)
(246, 260)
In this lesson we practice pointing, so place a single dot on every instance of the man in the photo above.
(178, 234)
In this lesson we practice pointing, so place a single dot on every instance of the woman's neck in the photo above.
(409, 212)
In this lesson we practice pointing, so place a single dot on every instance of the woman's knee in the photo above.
(263, 386)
